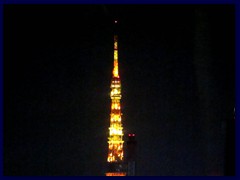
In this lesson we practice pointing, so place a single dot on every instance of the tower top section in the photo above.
(115, 26)
(115, 64)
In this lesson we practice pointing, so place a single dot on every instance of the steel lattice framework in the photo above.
(115, 139)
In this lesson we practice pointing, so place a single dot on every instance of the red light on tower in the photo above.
(115, 21)
(130, 135)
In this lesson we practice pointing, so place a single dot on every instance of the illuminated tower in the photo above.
(115, 139)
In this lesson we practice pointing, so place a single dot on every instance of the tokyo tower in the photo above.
(115, 161)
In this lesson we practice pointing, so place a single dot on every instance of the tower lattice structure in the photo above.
(115, 138)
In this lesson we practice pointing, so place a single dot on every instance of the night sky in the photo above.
(177, 68)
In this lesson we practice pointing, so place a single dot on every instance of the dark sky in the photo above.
(177, 68)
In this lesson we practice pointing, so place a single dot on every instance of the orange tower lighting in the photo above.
(115, 138)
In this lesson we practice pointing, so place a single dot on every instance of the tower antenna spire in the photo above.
(115, 63)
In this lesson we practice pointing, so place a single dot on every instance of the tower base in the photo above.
(116, 169)
(116, 174)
